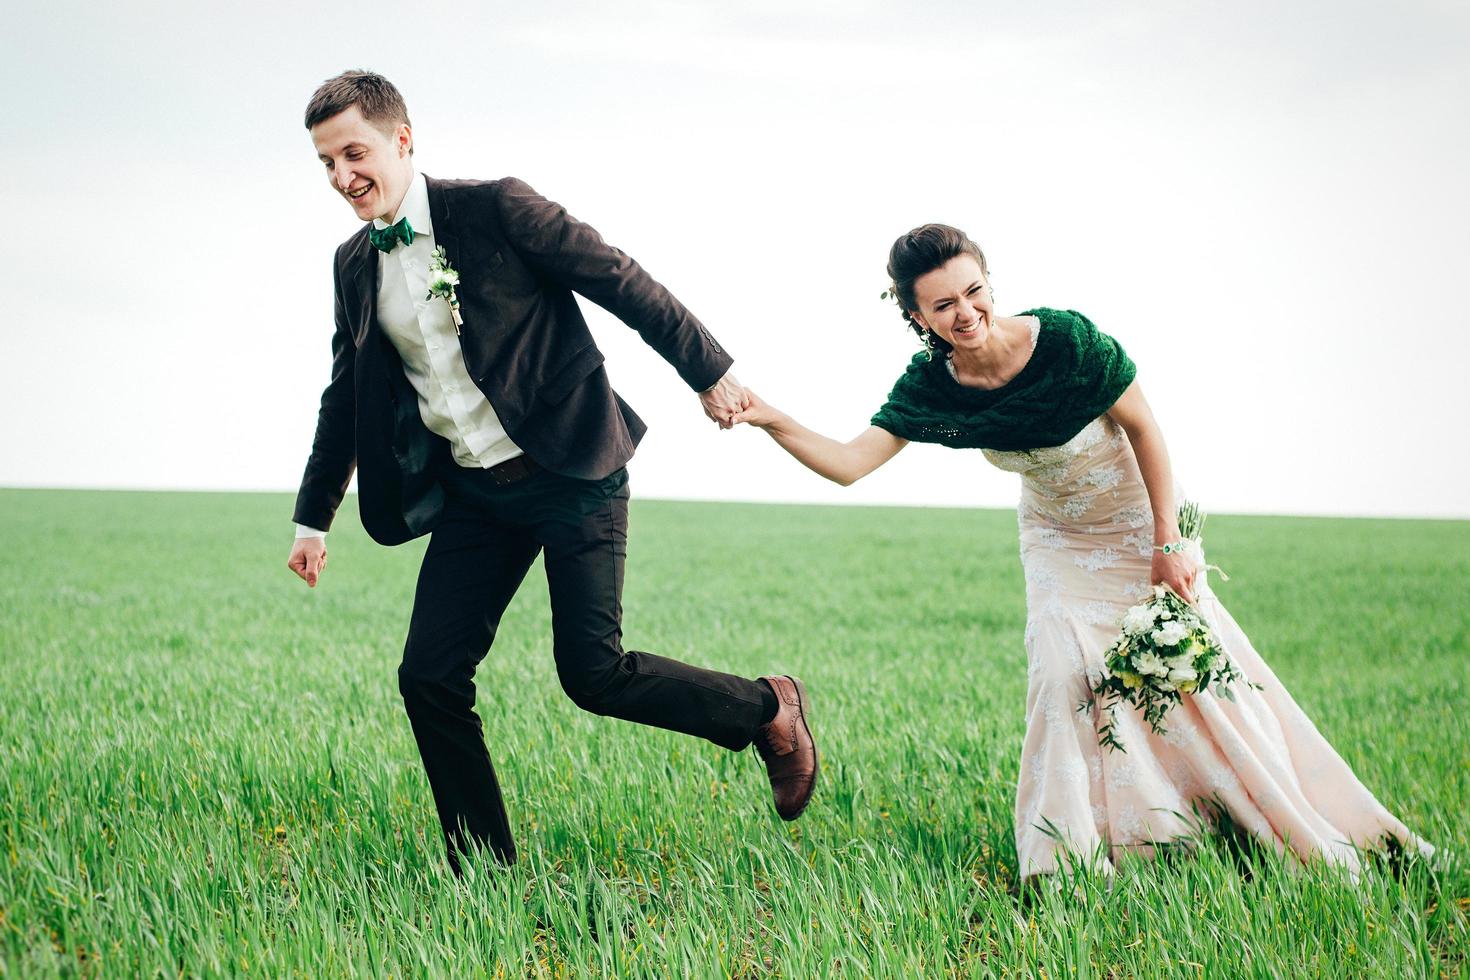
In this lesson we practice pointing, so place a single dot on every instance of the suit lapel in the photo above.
(362, 272)
(443, 221)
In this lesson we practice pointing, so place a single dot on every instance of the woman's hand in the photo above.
(1177, 571)
(756, 412)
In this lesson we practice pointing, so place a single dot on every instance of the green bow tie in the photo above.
(387, 239)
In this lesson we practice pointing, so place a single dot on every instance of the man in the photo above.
(482, 413)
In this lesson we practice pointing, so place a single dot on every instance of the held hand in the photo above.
(756, 412)
(1176, 571)
(724, 400)
(308, 558)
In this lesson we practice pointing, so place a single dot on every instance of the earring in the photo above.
(929, 344)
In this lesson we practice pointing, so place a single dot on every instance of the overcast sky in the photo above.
(1265, 202)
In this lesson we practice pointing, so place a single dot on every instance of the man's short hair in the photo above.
(375, 97)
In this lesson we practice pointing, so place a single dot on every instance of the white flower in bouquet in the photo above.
(1181, 676)
(1150, 664)
(1170, 633)
(1139, 619)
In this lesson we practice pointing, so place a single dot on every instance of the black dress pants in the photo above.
(477, 557)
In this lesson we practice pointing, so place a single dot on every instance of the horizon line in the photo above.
(878, 504)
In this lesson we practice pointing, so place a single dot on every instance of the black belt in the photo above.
(513, 470)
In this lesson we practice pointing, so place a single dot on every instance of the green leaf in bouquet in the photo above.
(1191, 520)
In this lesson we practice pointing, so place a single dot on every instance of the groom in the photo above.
(482, 414)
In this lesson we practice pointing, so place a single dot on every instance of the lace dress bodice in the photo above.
(1090, 484)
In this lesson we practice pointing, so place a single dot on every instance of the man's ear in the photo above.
(403, 138)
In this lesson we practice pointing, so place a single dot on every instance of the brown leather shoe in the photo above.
(787, 747)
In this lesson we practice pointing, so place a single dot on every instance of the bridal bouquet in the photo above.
(1165, 651)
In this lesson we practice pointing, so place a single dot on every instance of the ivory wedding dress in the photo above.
(1086, 547)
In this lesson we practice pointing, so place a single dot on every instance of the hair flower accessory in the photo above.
(442, 279)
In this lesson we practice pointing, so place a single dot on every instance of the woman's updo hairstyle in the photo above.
(921, 251)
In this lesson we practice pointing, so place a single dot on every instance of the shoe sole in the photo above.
(816, 754)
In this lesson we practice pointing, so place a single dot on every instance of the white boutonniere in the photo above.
(442, 280)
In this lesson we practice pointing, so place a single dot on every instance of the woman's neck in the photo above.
(998, 360)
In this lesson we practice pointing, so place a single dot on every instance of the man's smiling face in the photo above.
(369, 167)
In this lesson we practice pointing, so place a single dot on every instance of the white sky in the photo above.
(1266, 203)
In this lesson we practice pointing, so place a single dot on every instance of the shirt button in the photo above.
(452, 387)
(433, 347)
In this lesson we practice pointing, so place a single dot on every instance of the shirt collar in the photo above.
(415, 207)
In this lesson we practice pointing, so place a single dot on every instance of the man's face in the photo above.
(371, 169)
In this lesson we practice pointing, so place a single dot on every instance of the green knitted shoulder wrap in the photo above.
(1075, 374)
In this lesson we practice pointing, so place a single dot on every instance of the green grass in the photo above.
(205, 767)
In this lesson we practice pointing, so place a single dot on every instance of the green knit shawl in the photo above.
(1075, 374)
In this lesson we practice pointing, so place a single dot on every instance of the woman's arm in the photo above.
(840, 462)
(1133, 415)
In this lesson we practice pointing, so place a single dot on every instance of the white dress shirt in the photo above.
(422, 330)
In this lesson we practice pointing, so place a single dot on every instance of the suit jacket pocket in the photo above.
(560, 383)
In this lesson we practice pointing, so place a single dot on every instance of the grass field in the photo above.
(205, 768)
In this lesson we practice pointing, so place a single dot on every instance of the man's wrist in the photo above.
(303, 531)
(725, 376)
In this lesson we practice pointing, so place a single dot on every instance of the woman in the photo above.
(1046, 395)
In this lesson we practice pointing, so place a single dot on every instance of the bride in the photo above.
(1046, 395)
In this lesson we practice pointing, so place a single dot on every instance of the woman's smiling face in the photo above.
(954, 302)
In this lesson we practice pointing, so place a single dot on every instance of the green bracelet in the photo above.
(1171, 548)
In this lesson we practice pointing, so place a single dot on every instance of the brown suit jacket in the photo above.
(520, 257)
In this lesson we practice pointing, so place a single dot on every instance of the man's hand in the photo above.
(724, 401)
(308, 558)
